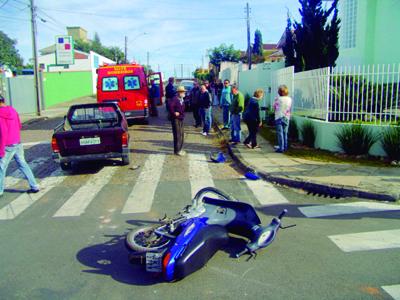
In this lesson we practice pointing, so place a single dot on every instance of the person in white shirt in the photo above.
(282, 107)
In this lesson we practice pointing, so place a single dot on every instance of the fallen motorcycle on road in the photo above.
(182, 245)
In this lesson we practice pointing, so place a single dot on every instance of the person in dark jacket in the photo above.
(154, 97)
(195, 102)
(177, 110)
(170, 91)
(205, 109)
(252, 118)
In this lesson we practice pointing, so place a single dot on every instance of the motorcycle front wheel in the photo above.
(145, 239)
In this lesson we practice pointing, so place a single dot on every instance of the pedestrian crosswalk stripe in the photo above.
(265, 192)
(199, 173)
(346, 208)
(17, 206)
(30, 144)
(78, 202)
(393, 291)
(374, 240)
(142, 195)
(16, 176)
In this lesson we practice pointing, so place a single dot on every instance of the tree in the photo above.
(288, 47)
(223, 53)
(315, 40)
(113, 53)
(8, 53)
(258, 44)
(201, 74)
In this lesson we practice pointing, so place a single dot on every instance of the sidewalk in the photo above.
(58, 110)
(327, 179)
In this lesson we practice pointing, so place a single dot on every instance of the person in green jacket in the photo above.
(236, 109)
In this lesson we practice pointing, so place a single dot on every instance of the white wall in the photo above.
(50, 59)
(97, 60)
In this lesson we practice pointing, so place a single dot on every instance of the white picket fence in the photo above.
(344, 94)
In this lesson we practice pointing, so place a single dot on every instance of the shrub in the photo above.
(391, 142)
(355, 139)
(293, 131)
(308, 133)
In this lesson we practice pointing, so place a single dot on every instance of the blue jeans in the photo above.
(226, 115)
(235, 128)
(16, 151)
(205, 114)
(282, 134)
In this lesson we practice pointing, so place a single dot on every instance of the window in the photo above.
(131, 83)
(349, 24)
(110, 84)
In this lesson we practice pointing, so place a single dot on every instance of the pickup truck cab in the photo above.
(93, 131)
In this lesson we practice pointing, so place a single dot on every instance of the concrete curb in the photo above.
(311, 187)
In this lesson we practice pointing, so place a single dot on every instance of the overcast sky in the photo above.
(177, 32)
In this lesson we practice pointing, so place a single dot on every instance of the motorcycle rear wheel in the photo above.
(145, 239)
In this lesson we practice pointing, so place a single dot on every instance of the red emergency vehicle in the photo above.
(126, 85)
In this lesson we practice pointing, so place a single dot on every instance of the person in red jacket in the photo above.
(10, 146)
(177, 110)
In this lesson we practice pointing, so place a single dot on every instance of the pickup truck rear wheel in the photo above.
(65, 166)
(125, 160)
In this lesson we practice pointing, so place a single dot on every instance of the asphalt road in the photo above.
(68, 242)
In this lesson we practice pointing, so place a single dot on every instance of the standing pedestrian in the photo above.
(154, 97)
(170, 92)
(11, 147)
(252, 118)
(236, 110)
(219, 87)
(282, 107)
(195, 103)
(177, 110)
(205, 109)
(225, 102)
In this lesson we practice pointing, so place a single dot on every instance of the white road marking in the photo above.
(30, 144)
(142, 195)
(265, 192)
(393, 291)
(16, 176)
(199, 173)
(374, 240)
(346, 208)
(17, 206)
(77, 203)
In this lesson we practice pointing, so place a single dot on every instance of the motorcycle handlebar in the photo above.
(282, 214)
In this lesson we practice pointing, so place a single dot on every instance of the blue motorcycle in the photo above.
(182, 245)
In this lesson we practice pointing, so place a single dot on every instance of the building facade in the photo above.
(368, 32)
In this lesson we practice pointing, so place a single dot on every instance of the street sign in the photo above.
(64, 50)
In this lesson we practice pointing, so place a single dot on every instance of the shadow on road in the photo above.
(111, 259)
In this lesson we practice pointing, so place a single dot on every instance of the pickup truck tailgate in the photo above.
(81, 142)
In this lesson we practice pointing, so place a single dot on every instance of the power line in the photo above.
(4, 3)
(16, 19)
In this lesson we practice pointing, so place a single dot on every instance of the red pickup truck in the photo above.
(93, 131)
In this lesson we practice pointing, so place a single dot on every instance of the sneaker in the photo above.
(278, 151)
(33, 190)
(256, 147)
(205, 133)
(248, 146)
(181, 153)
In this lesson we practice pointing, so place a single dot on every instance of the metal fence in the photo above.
(365, 93)
(368, 94)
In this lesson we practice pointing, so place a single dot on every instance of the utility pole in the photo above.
(35, 60)
(148, 63)
(181, 70)
(126, 49)
(248, 35)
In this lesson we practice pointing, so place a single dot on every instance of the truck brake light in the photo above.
(124, 139)
(145, 103)
(54, 145)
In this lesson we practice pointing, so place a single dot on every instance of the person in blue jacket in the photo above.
(225, 103)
